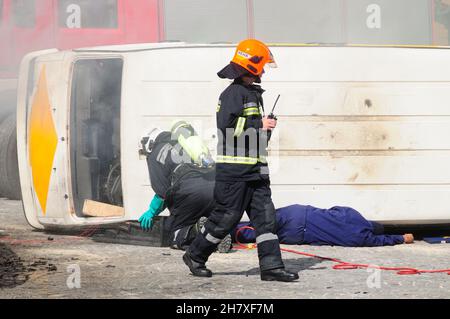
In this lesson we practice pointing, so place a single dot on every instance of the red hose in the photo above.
(342, 265)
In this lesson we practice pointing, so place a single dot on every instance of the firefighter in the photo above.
(182, 176)
(242, 176)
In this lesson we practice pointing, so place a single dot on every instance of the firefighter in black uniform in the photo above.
(182, 176)
(242, 176)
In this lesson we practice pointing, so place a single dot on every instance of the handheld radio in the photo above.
(271, 115)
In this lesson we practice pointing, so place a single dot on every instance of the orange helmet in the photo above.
(253, 55)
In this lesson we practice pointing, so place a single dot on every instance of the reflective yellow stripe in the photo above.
(236, 160)
(218, 108)
(240, 160)
(239, 126)
(251, 111)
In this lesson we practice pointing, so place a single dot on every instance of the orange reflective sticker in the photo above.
(42, 141)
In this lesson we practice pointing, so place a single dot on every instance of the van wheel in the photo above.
(9, 170)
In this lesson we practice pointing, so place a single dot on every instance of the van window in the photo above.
(205, 21)
(95, 132)
(24, 13)
(98, 14)
(442, 22)
(346, 21)
(389, 22)
(298, 21)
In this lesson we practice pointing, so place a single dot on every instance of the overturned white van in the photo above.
(365, 127)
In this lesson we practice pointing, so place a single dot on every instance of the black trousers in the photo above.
(192, 198)
(232, 199)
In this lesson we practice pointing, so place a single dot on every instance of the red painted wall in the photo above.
(137, 22)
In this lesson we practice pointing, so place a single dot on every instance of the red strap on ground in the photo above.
(342, 265)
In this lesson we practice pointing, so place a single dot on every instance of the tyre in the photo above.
(7, 104)
(9, 170)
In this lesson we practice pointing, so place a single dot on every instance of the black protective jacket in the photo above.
(241, 148)
(161, 164)
(174, 178)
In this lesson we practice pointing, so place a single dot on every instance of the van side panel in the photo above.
(363, 127)
(359, 126)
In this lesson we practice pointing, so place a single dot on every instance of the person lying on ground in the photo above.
(337, 226)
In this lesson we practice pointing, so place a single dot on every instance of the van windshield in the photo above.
(95, 132)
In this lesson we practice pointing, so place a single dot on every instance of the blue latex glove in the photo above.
(155, 208)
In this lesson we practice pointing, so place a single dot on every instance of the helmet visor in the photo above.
(271, 62)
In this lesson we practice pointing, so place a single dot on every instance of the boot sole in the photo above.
(272, 278)
(225, 245)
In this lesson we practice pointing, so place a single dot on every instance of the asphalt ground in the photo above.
(37, 264)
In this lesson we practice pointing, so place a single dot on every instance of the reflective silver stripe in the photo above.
(265, 237)
(176, 234)
(239, 126)
(203, 230)
(212, 239)
(250, 104)
(162, 155)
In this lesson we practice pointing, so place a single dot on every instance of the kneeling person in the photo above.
(182, 176)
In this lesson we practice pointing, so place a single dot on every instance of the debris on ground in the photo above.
(14, 271)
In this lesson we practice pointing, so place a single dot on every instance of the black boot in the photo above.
(279, 274)
(197, 269)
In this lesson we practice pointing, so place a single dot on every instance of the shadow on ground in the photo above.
(295, 265)
(419, 231)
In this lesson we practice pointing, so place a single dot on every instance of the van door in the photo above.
(94, 129)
